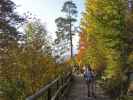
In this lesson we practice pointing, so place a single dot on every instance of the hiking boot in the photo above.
(93, 95)
(89, 95)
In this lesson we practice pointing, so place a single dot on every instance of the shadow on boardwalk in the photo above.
(78, 91)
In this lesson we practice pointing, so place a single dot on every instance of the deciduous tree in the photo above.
(104, 25)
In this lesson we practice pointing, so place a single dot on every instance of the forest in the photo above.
(29, 60)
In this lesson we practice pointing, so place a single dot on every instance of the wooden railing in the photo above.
(53, 91)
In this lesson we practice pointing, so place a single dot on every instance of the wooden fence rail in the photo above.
(53, 91)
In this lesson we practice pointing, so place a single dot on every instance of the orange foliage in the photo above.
(82, 48)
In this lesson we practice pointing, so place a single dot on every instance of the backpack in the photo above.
(88, 75)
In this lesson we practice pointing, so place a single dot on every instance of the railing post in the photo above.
(57, 84)
(57, 88)
(62, 81)
(71, 79)
(49, 93)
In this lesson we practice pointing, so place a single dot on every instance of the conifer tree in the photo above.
(9, 20)
(70, 9)
(65, 26)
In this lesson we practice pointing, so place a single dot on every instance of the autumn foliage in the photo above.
(82, 48)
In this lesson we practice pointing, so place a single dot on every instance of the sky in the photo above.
(46, 10)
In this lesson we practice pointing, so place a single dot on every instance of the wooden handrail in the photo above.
(60, 89)
(47, 88)
(39, 93)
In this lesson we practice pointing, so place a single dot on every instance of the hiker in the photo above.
(93, 83)
(89, 77)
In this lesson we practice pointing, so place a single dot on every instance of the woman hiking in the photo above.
(89, 78)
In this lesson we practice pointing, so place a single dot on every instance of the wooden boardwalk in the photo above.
(78, 91)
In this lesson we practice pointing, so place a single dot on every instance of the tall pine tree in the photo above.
(70, 9)
(65, 27)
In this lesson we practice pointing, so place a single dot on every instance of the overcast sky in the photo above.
(46, 10)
